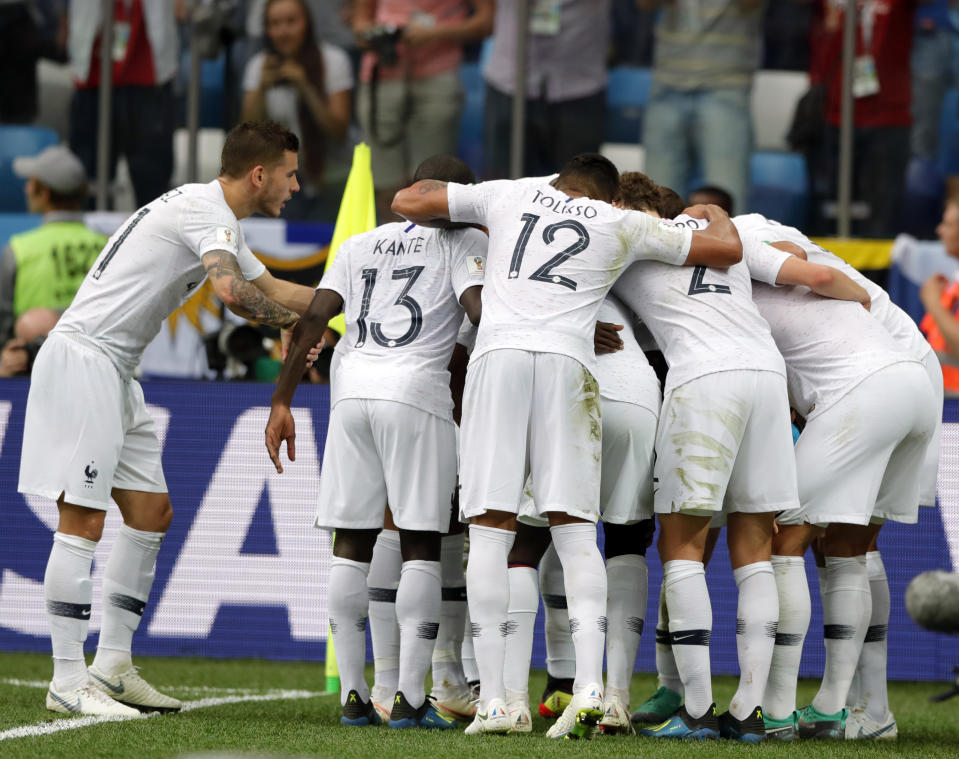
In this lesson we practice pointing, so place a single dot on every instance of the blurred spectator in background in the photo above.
(330, 21)
(30, 330)
(715, 195)
(933, 71)
(144, 53)
(786, 35)
(307, 87)
(631, 31)
(565, 85)
(698, 112)
(883, 101)
(410, 96)
(29, 30)
(941, 300)
(43, 268)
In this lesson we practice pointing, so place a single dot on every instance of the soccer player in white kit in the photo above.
(724, 444)
(91, 438)
(531, 403)
(391, 436)
(867, 700)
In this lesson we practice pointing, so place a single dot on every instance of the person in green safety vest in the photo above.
(43, 267)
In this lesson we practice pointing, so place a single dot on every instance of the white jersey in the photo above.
(703, 320)
(401, 286)
(830, 346)
(899, 324)
(150, 266)
(552, 259)
(626, 375)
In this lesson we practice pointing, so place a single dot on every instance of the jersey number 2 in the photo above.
(374, 329)
(697, 285)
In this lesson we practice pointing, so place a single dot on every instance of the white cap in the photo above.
(57, 167)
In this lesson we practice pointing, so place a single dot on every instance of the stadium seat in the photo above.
(212, 97)
(779, 186)
(470, 147)
(626, 96)
(18, 141)
(949, 134)
(774, 97)
(922, 203)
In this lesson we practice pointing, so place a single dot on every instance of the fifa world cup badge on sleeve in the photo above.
(226, 236)
(476, 264)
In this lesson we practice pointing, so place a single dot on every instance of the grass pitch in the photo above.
(264, 708)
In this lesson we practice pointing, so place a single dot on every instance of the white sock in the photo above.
(757, 618)
(792, 588)
(560, 655)
(467, 653)
(348, 604)
(523, 605)
(487, 587)
(447, 662)
(418, 614)
(585, 575)
(627, 587)
(690, 626)
(668, 675)
(846, 609)
(126, 587)
(69, 592)
(382, 581)
(872, 660)
(821, 574)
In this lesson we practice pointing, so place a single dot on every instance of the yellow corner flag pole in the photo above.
(357, 214)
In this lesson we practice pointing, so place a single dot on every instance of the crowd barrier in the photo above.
(242, 572)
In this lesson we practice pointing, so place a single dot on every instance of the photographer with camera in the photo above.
(307, 87)
(410, 96)
(43, 267)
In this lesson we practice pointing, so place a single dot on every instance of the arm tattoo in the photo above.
(426, 186)
(246, 298)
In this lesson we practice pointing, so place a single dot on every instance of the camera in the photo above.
(32, 348)
(383, 40)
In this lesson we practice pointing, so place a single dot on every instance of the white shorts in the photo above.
(861, 458)
(87, 430)
(382, 452)
(725, 443)
(930, 465)
(530, 413)
(626, 482)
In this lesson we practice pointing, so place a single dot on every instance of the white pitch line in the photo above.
(46, 728)
(196, 689)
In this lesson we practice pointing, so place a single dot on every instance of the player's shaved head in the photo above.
(671, 203)
(638, 192)
(710, 194)
(255, 143)
(444, 168)
(589, 174)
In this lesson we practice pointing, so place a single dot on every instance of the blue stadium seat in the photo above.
(922, 203)
(18, 141)
(779, 186)
(470, 147)
(626, 97)
(949, 134)
(212, 96)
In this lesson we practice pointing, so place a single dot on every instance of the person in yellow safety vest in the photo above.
(940, 325)
(43, 267)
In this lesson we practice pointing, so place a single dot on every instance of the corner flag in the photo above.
(357, 211)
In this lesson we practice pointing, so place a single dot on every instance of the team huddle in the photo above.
(752, 318)
(547, 294)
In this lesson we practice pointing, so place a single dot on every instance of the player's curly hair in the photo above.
(255, 143)
(638, 192)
